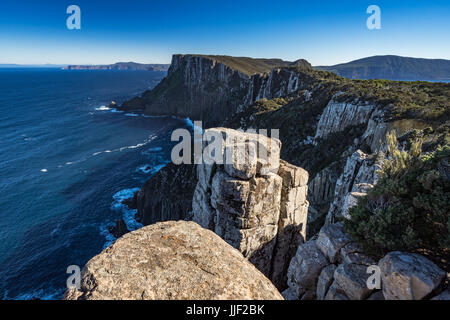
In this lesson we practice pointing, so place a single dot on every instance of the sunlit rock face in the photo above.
(172, 261)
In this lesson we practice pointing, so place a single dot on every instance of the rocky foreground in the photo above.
(334, 267)
(172, 260)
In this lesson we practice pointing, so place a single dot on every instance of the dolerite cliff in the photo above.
(208, 88)
(172, 261)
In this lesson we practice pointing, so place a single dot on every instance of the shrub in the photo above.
(409, 207)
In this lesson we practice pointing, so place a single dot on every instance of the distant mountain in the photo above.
(121, 66)
(393, 68)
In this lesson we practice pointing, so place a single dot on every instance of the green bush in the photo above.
(409, 207)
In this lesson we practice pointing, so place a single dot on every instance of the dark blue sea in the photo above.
(66, 163)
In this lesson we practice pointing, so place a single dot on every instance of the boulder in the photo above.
(351, 279)
(326, 278)
(172, 260)
(408, 276)
(305, 268)
(331, 239)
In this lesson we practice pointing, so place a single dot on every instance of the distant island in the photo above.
(393, 68)
(121, 66)
(18, 66)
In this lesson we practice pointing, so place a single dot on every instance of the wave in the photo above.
(128, 215)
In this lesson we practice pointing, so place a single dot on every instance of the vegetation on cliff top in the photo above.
(409, 207)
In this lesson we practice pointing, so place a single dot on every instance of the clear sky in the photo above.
(324, 32)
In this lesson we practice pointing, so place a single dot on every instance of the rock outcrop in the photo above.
(359, 175)
(257, 204)
(172, 261)
(334, 267)
(339, 115)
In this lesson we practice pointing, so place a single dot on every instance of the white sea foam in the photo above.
(132, 114)
(44, 170)
(124, 194)
(148, 169)
(128, 215)
(103, 108)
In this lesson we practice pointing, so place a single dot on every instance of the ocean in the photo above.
(67, 161)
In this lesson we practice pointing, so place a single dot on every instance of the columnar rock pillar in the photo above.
(252, 200)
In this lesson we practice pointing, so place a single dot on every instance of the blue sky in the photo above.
(323, 32)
